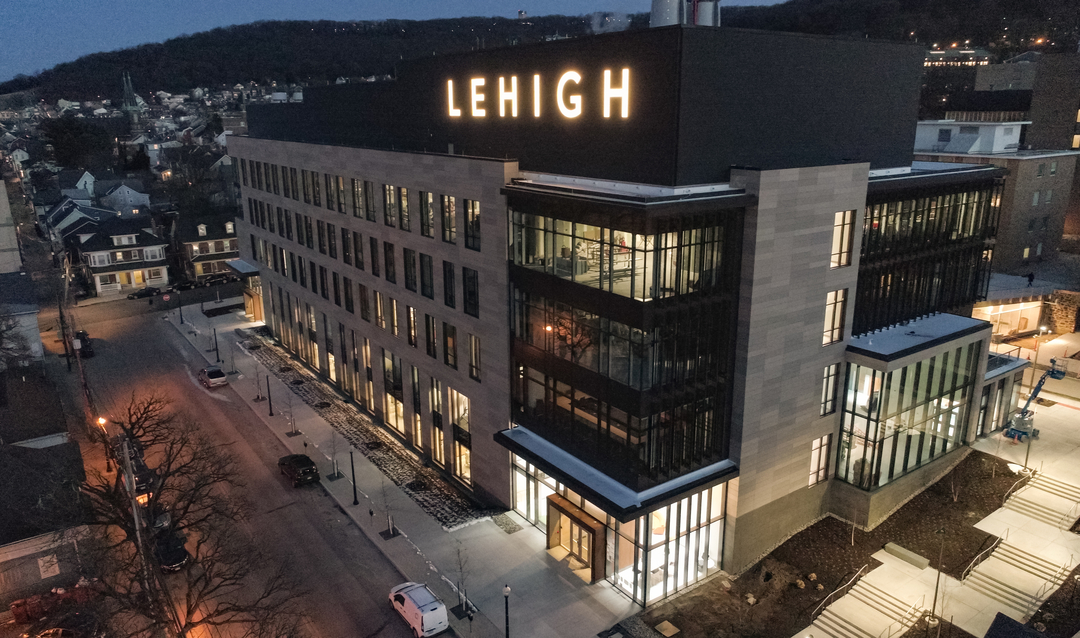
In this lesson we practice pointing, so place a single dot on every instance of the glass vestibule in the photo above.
(648, 558)
(1011, 319)
(636, 265)
(895, 422)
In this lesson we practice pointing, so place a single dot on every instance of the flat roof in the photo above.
(613, 497)
(1027, 154)
(909, 337)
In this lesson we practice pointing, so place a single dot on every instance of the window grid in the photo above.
(474, 357)
(472, 224)
(819, 460)
(843, 226)
(828, 389)
(449, 219)
(449, 297)
(835, 308)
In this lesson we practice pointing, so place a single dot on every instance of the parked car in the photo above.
(181, 286)
(142, 293)
(67, 624)
(170, 552)
(218, 279)
(86, 345)
(213, 377)
(299, 468)
(420, 608)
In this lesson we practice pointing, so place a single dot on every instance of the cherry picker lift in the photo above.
(1021, 424)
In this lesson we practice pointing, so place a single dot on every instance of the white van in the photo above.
(420, 607)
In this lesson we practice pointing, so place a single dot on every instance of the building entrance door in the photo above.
(575, 538)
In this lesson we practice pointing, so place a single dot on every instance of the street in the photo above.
(344, 578)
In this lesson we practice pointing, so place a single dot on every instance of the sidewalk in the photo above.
(546, 599)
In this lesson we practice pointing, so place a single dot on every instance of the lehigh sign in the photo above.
(504, 96)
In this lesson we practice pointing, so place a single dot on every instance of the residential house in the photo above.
(123, 197)
(120, 254)
(72, 179)
(204, 244)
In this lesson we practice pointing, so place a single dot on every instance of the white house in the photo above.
(123, 197)
(123, 254)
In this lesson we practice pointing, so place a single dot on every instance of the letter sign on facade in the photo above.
(570, 104)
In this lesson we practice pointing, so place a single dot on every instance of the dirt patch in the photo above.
(719, 607)
(1060, 614)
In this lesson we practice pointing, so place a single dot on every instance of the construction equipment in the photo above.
(1020, 426)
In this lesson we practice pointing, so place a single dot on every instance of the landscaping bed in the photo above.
(719, 608)
(1058, 616)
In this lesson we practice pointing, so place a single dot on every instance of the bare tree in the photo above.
(228, 581)
(14, 349)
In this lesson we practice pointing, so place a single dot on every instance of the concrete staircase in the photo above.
(866, 612)
(1056, 487)
(992, 578)
(1022, 503)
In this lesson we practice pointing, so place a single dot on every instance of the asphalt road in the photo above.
(345, 578)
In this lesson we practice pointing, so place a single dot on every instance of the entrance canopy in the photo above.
(605, 492)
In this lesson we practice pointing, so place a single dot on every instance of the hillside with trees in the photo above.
(319, 52)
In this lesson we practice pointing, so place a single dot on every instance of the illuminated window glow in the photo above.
(536, 95)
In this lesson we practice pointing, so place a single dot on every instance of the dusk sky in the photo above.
(40, 34)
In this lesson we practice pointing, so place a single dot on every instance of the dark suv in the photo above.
(299, 468)
(170, 551)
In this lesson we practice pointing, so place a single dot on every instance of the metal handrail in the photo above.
(1018, 481)
(1053, 581)
(1071, 515)
(915, 605)
(983, 555)
(844, 587)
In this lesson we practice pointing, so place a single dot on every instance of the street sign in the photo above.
(165, 297)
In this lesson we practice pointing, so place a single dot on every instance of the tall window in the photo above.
(346, 247)
(449, 297)
(285, 181)
(449, 345)
(365, 307)
(328, 180)
(374, 256)
(347, 284)
(322, 282)
(369, 200)
(470, 283)
(474, 357)
(307, 186)
(358, 197)
(292, 180)
(391, 320)
(828, 389)
(472, 224)
(835, 308)
(337, 289)
(449, 219)
(843, 224)
(409, 257)
(380, 310)
(410, 324)
(435, 399)
(340, 190)
(458, 405)
(388, 259)
(819, 459)
(427, 277)
(358, 249)
(331, 237)
(427, 214)
(390, 209)
(403, 209)
(321, 225)
(316, 197)
(430, 337)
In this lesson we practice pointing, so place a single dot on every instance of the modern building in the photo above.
(666, 294)
(1035, 198)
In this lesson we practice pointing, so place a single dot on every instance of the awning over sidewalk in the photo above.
(241, 267)
(600, 489)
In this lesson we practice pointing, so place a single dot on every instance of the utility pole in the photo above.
(63, 329)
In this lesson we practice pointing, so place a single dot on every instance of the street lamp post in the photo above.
(506, 599)
(355, 501)
(180, 305)
(105, 442)
(270, 400)
(937, 582)
(1035, 364)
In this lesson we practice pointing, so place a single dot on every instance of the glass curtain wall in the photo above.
(650, 557)
(670, 262)
(895, 422)
(688, 347)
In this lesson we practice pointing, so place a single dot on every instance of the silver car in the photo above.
(213, 377)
